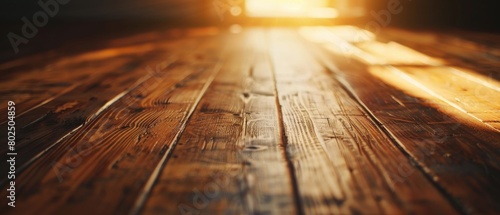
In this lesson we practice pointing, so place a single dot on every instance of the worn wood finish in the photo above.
(48, 77)
(53, 119)
(71, 90)
(39, 86)
(231, 149)
(477, 97)
(327, 133)
(35, 80)
(445, 147)
(480, 56)
(120, 129)
(467, 76)
(258, 122)
(471, 93)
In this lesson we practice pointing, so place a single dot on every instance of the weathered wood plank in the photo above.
(36, 80)
(45, 125)
(274, 132)
(30, 89)
(56, 117)
(445, 143)
(478, 97)
(480, 57)
(230, 158)
(489, 42)
(345, 163)
(469, 92)
(113, 154)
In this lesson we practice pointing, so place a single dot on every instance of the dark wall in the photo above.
(457, 13)
(82, 19)
(111, 9)
(89, 18)
(470, 14)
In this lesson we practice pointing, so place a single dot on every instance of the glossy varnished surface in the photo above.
(313, 120)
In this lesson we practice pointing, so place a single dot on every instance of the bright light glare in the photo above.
(290, 8)
(453, 90)
(235, 11)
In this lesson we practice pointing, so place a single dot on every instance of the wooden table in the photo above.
(266, 120)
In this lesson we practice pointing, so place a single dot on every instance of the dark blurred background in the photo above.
(475, 14)
(467, 14)
(102, 18)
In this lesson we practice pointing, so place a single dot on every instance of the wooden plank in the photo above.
(444, 143)
(48, 124)
(392, 53)
(29, 89)
(51, 121)
(471, 93)
(230, 159)
(344, 163)
(35, 80)
(104, 166)
(477, 97)
(464, 90)
(43, 81)
(455, 51)
(489, 41)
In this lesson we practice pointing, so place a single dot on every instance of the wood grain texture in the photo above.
(445, 147)
(34, 80)
(230, 158)
(344, 163)
(476, 96)
(456, 50)
(32, 87)
(264, 121)
(46, 124)
(465, 75)
(125, 141)
(44, 86)
(463, 89)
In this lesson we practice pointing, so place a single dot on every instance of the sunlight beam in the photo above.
(290, 8)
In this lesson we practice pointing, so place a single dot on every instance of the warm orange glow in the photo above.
(290, 8)
(455, 90)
